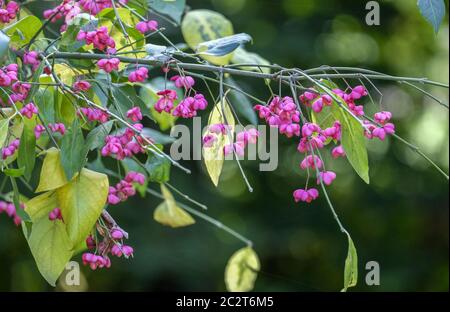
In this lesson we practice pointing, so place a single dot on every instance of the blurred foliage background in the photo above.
(400, 220)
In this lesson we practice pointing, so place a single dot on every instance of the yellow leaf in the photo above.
(4, 126)
(214, 156)
(66, 73)
(168, 213)
(39, 206)
(351, 266)
(52, 172)
(48, 240)
(81, 202)
(204, 25)
(242, 270)
(51, 248)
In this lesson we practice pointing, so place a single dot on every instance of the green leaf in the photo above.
(172, 8)
(48, 241)
(26, 156)
(158, 137)
(96, 138)
(158, 168)
(15, 131)
(241, 56)
(44, 99)
(353, 141)
(214, 155)
(433, 11)
(13, 172)
(23, 30)
(242, 270)
(126, 98)
(34, 87)
(200, 26)
(72, 150)
(4, 126)
(81, 202)
(64, 106)
(241, 103)
(223, 46)
(4, 44)
(351, 266)
(52, 172)
(168, 213)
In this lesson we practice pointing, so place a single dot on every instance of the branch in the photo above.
(244, 73)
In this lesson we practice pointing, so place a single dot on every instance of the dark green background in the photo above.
(400, 220)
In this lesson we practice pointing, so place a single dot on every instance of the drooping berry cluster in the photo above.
(94, 114)
(69, 9)
(125, 188)
(8, 11)
(55, 214)
(146, 26)
(188, 107)
(99, 38)
(111, 243)
(283, 114)
(10, 149)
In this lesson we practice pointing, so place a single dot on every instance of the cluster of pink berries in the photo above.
(166, 101)
(8, 74)
(10, 210)
(186, 82)
(213, 132)
(123, 145)
(55, 214)
(31, 58)
(81, 86)
(146, 26)
(10, 149)
(139, 75)
(68, 9)
(243, 138)
(125, 188)
(95, 6)
(8, 12)
(9, 78)
(103, 261)
(134, 114)
(112, 243)
(109, 64)
(283, 114)
(55, 128)
(385, 128)
(29, 110)
(94, 114)
(99, 38)
(188, 107)
(20, 90)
